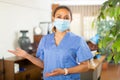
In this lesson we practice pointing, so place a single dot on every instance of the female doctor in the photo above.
(62, 54)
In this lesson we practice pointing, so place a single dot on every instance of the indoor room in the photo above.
(60, 39)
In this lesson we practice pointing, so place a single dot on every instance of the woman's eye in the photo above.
(58, 17)
(66, 18)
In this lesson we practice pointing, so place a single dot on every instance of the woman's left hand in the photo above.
(55, 72)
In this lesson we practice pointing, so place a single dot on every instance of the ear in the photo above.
(53, 18)
(70, 20)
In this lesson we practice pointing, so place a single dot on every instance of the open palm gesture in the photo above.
(18, 52)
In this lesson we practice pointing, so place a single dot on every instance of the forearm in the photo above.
(84, 66)
(80, 68)
(35, 60)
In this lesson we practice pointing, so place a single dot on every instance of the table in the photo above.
(94, 72)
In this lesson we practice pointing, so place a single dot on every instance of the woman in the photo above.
(62, 54)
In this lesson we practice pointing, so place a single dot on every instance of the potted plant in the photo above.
(108, 28)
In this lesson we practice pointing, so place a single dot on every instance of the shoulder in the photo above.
(75, 37)
(76, 40)
(48, 36)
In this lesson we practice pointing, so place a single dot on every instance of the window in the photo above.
(82, 20)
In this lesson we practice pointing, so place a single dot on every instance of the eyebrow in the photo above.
(60, 15)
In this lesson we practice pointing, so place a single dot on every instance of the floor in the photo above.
(111, 73)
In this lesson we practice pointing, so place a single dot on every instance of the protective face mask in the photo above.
(61, 24)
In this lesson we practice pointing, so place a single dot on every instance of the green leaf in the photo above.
(105, 4)
(109, 57)
(102, 51)
(100, 44)
(113, 31)
(116, 44)
(118, 25)
(104, 42)
(116, 57)
(117, 9)
(114, 2)
(117, 13)
(102, 16)
(110, 12)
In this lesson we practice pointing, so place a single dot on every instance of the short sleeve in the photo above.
(40, 50)
(83, 52)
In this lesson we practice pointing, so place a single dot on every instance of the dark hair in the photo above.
(62, 7)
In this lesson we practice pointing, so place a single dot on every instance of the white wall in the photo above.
(16, 15)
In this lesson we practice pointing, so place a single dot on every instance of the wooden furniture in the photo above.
(95, 71)
(32, 72)
(29, 70)
(37, 39)
(1, 69)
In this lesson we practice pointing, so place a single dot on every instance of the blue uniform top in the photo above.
(71, 50)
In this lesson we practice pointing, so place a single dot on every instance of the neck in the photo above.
(58, 33)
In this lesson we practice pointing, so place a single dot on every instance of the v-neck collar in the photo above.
(60, 41)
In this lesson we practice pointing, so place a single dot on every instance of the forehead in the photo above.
(62, 12)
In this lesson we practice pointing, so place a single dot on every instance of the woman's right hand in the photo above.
(18, 52)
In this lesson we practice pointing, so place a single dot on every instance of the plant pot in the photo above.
(105, 65)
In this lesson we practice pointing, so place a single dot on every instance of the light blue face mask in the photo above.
(61, 24)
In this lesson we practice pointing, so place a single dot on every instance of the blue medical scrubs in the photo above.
(71, 50)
